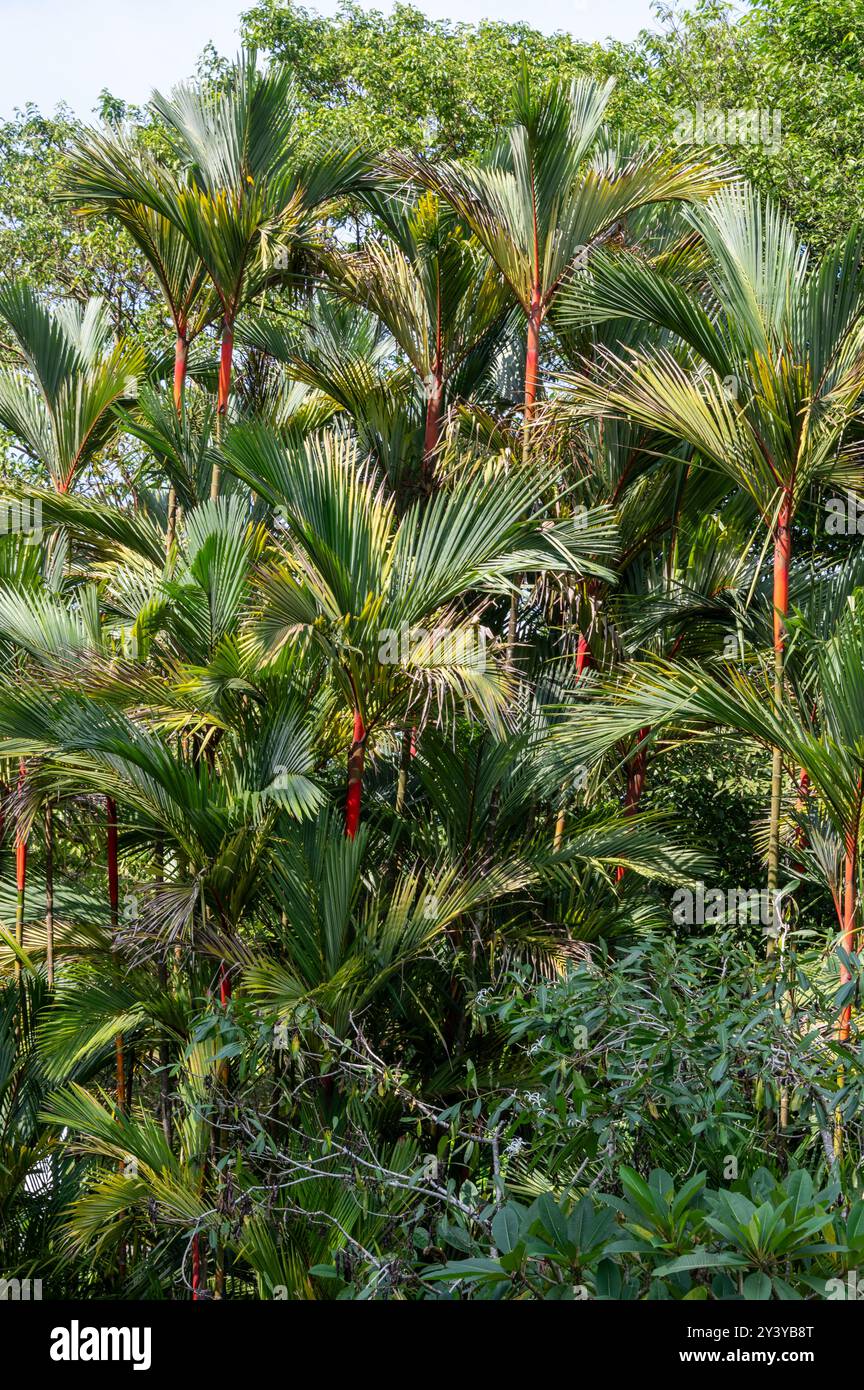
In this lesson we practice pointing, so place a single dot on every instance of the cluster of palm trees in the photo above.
(561, 406)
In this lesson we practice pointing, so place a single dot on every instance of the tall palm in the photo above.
(246, 189)
(250, 186)
(432, 285)
(772, 372)
(362, 585)
(179, 271)
(58, 400)
(819, 728)
(100, 160)
(345, 360)
(554, 188)
(58, 394)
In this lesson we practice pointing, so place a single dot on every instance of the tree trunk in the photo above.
(355, 777)
(224, 984)
(225, 358)
(181, 354)
(432, 434)
(532, 380)
(782, 557)
(20, 876)
(532, 354)
(49, 893)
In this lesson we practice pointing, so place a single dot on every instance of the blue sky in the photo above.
(67, 50)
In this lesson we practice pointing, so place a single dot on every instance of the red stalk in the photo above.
(225, 358)
(224, 984)
(434, 411)
(355, 777)
(181, 352)
(583, 646)
(21, 865)
(532, 353)
(782, 558)
(20, 873)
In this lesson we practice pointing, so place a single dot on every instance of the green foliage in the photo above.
(373, 700)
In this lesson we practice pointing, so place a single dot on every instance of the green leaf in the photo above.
(505, 1229)
(701, 1259)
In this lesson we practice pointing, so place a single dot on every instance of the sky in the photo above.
(68, 50)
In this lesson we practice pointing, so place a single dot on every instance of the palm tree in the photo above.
(445, 305)
(99, 161)
(772, 373)
(556, 186)
(58, 401)
(248, 194)
(58, 396)
(251, 190)
(819, 728)
(341, 365)
(394, 605)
